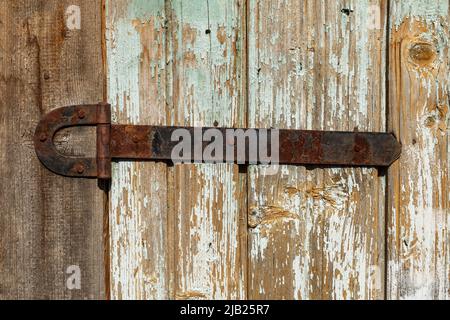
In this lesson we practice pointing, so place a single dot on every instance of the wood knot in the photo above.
(422, 53)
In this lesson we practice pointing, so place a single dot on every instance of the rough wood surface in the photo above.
(209, 201)
(136, 60)
(211, 231)
(48, 223)
(175, 232)
(316, 233)
(419, 207)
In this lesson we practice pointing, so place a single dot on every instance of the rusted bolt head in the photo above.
(135, 139)
(43, 137)
(79, 168)
(81, 114)
(357, 148)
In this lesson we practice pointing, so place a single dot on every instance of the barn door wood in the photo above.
(317, 233)
(302, 233)
(50, 227)
(419, 194)
(187, 232)
(220, 231)
(177, 232)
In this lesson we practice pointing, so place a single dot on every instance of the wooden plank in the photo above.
(175, 233)
(136, 62)
(316, 233)
(419, 207)
(208, 202)
(48, 223)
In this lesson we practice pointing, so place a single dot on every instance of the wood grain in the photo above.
(208, 201)
(212, 231)
(176, 233)
(139, 231)
(316, 233)
(48, 223)
(419, 207)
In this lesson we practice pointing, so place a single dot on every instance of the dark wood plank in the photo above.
(47, 223)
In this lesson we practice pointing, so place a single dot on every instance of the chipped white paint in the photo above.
(431, 11)
(316, 234)
(138, 209)
(206, 46)
(418, 266)
(181, 232)
(176, 232)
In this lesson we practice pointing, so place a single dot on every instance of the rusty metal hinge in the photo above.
(155, 143)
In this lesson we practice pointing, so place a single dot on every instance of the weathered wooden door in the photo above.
(217, 231)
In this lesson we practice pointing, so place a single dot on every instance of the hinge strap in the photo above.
(230, 145)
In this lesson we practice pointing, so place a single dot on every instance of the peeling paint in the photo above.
(429, 10)
(206, 46)
(320, 69)
(418, 265)
(136, 62)
(313, 233)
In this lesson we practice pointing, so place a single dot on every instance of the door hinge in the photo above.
(117, 142)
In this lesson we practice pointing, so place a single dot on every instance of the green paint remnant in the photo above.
(429, 10)
(145, 9)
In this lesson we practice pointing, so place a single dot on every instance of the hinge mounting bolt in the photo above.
(79, 168)
(43, 137)
(81, 114)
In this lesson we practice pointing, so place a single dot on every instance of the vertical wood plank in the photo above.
(208, 201)
(176, 62)
(316, 233)
(48, 223)
(419, 207)
(136, 59)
